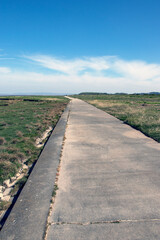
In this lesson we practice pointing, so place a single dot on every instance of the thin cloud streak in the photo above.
(70, 66)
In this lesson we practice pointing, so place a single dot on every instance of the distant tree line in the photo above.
(99, 93)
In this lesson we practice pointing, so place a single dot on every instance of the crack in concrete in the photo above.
(105, 222)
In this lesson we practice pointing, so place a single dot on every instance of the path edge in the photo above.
(28, 217)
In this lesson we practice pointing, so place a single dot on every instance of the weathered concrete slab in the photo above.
(27, 220)
(109, 172)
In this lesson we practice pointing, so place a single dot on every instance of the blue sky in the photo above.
(69, 46)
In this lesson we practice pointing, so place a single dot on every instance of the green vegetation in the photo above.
(54, 190)
(4, 205)
(19, 184)
(141, 111)
(22, 121)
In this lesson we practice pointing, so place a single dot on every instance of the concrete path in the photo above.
(109, 181)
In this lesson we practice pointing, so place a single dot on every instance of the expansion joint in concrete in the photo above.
(105, 222)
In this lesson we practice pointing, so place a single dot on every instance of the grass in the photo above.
(54, 190)
(139, 111)
(22, 121)
(4, 205)
(19, 184)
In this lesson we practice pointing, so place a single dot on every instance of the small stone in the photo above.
(2, 188)
(17, 175)
(7, 192)
(13, 183)
(6, 198)
(25, 166)
(20, 176)
(13, 179)
(1, 195)
(6, 183)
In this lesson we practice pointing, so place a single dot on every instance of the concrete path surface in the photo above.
(109, 181)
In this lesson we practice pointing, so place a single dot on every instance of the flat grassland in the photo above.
(22, 121)
(141, 111)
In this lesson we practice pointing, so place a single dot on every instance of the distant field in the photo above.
(140, 111)
(22, 121)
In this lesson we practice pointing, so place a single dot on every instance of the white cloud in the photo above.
(38, 82)
(137, 70)
(71, 66)
(104, 74)
(5, 70)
